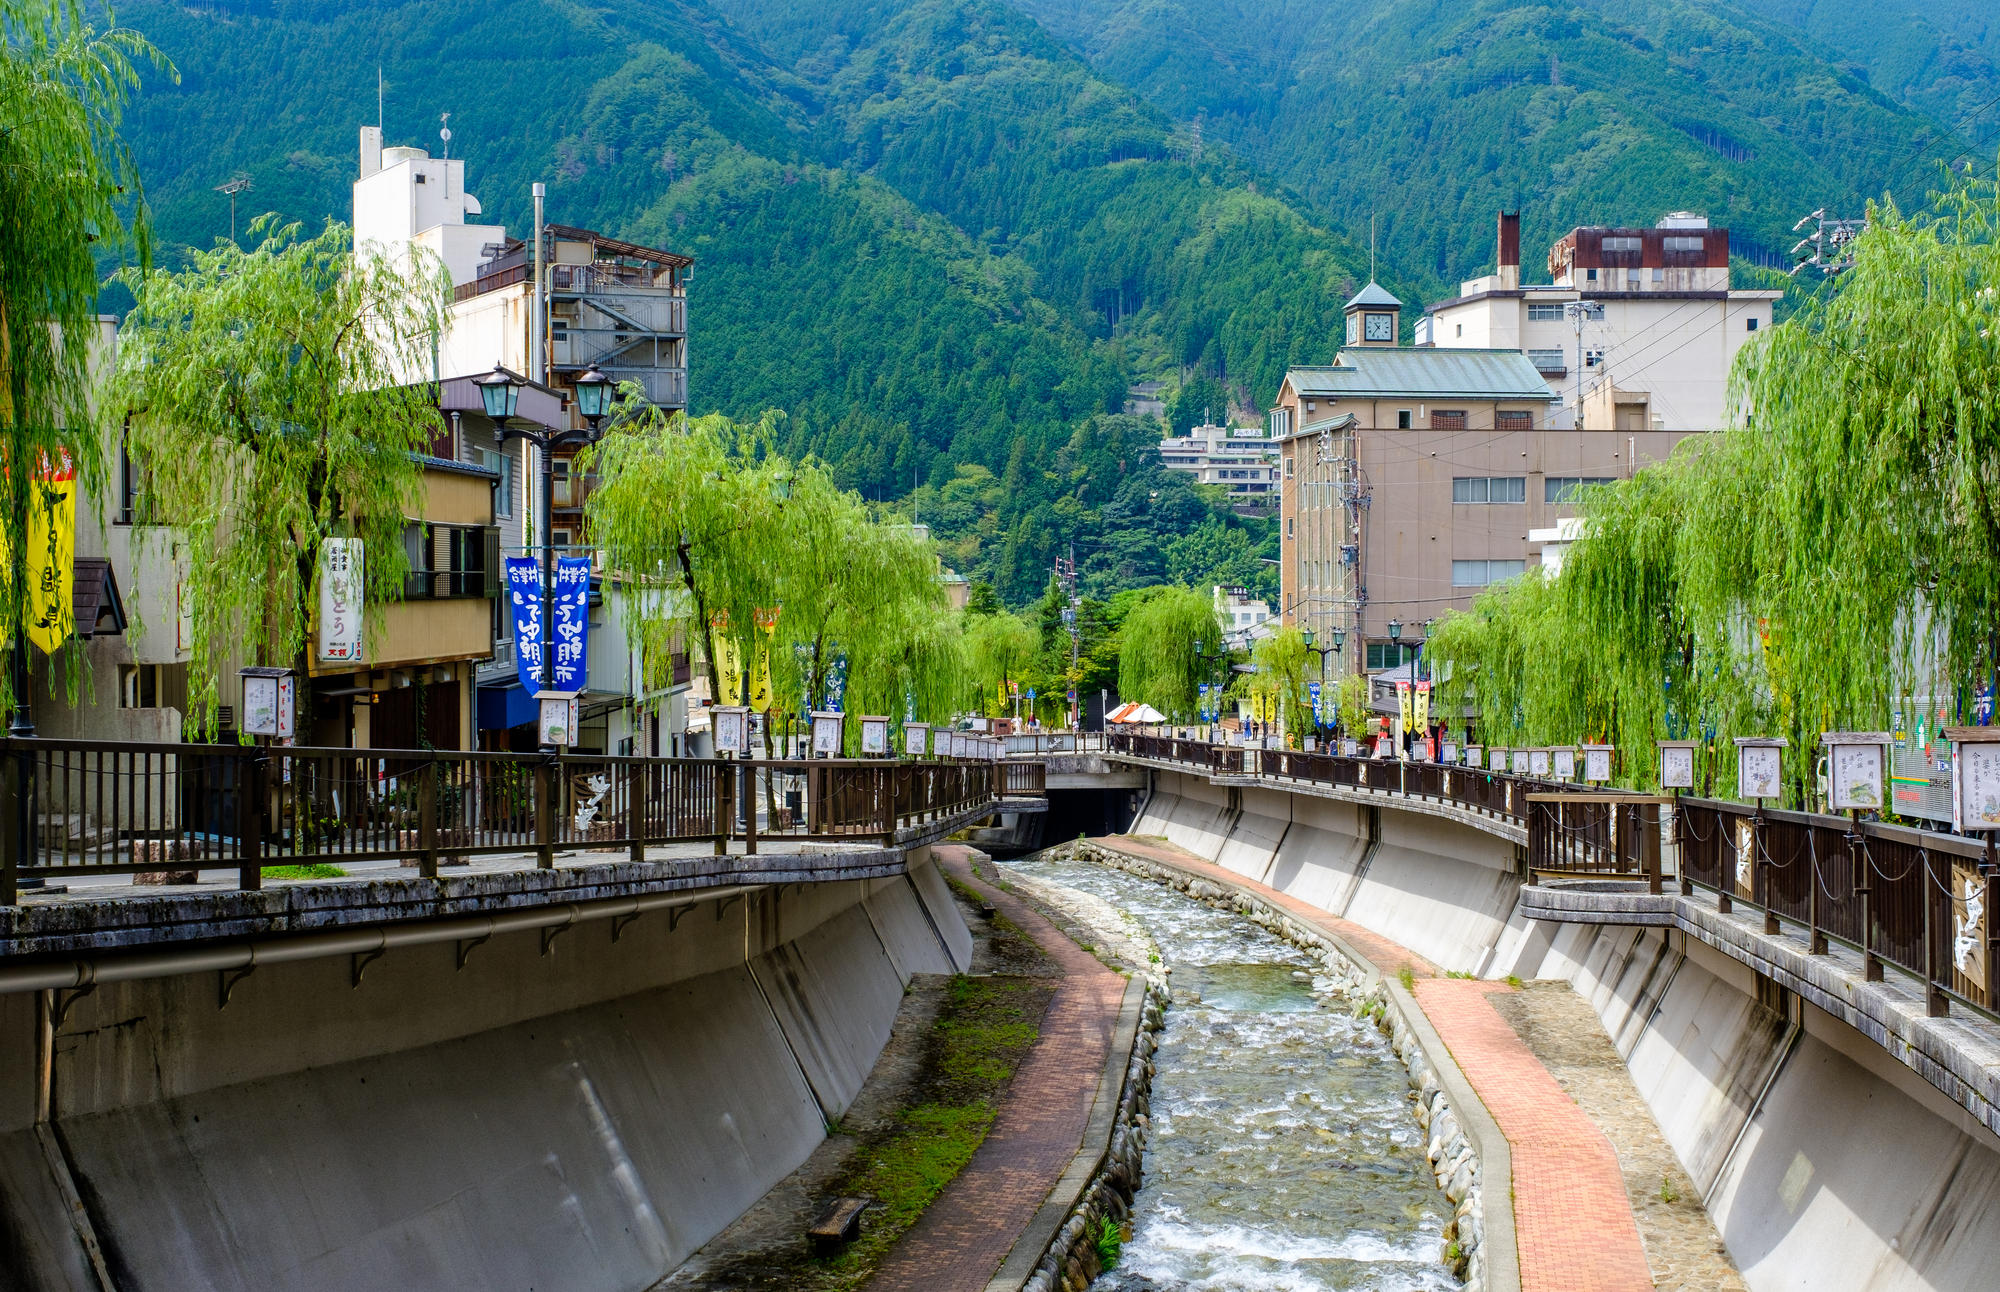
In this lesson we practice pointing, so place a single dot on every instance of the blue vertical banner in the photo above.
(572, 623)
(571, 609)
(1319, 716)
(836, 682)
(524, 606)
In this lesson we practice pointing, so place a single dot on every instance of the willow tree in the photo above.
(1283, 669)
(269, 412)
(709, 530)
(999, 648)
(1170, 644)
(69, 195)
(1831, 558)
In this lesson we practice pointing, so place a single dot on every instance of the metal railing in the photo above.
(1919, 900)
(100, 807)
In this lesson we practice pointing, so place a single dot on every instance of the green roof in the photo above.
(1360, 372)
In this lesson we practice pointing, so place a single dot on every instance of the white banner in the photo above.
(340, 605)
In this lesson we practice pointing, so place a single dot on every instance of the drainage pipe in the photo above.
(249, 953)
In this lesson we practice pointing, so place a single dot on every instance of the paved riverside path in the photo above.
(1574, 1228)
(966, 1234)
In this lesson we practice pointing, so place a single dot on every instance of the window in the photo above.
(503, 498)
(1461, 329)
(1682, 242)
(1514, 420)
(1623, 244)
(449, 561)
(1562, 489)
(1447, 420)
(1550, 313)
(1402, 419)
(1291, 467)
(1592, 358)
(1383, 655)
(1590, 275)
(1288, 527)
(1477, 574)
(1548, 360)
(559, 483)
(1750, 324)
(1485, 489)
(1659, 275)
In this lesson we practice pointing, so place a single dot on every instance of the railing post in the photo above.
(885, 779)
(250, 821)
(723, 821)
(545, 814)
(1680, 851)
(17, 778)
(749, 791)
(1647, 816)
(1760, 871)
(636, 777)
(1936, 1004)
(1991, 919)
(1864, 888)
(1815, 935)
(427, 826)
(1538, 840)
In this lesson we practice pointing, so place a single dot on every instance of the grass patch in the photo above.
(1668, 1193)
(987, 1026)
(1457, 973)
(318, 870)
(1514, 981)
(1408, 977)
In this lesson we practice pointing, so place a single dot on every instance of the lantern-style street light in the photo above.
(500, 399)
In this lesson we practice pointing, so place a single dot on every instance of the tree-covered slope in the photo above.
(1432, 116)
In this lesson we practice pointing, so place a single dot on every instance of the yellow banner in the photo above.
(760, 678)
(1423, 706)
(1403, 707)
(728, 669)
(50, 567)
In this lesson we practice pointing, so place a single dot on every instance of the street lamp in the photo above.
(1395, 630)
(500, 399)
(593, 394)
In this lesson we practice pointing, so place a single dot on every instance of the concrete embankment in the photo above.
(1824, 1162)
(576, 1110)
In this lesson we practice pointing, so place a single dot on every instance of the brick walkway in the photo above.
(1574, 1227)
(966, 1234)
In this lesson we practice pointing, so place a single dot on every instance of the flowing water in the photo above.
(1284, 1151)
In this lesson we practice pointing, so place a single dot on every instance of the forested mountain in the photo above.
(1432, 115)
(1939, 56)
(947, 235)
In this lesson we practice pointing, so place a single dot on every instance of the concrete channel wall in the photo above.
(577, 1113)
(1825, 1163)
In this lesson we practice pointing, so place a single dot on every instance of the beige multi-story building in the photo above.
(1635, 330)
(1412, 478)
(1239, 459)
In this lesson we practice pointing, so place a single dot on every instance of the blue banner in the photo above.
(524, 606)
(836, 682)
(1319, 717)
(571, 609)
(572, 614)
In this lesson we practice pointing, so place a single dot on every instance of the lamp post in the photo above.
(1339, 640)
(500, 398)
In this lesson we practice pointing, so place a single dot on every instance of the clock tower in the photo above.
(1374, 318)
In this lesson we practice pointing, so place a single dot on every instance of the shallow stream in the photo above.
(1284, 1154)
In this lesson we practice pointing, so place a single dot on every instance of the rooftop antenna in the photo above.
(378, 96)
(1371, 248)
(444, 133)
(238, 183)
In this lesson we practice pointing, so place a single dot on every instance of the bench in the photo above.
(837, 1225)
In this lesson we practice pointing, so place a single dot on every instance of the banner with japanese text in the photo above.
(1404, 713)
(1423, 705)
(524, 609)
(340, 600)
(570, 661)
(51, 563)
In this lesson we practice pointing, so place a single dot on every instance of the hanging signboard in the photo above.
(560, 715)
(1969, 920)
(1562, 764)
(1677, 764)
(1538, 763)
(524, 607)
(1975, 778)
(572, 624)
(732, 729)
(1759, 764)
(916, 738)
(51, 563)
(1496, 760)
(1597, 764)
(1473, 756)
(828, 732)
(1855, 769)
(340, 608)
(874, 737)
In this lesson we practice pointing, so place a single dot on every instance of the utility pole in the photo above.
(238, 183)
(1829, 247)
(1072, 607)
(1578, 311)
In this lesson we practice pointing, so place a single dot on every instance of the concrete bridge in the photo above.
(575, 1074)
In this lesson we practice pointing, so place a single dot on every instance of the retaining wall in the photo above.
(1825, 1163)
(580, 1114)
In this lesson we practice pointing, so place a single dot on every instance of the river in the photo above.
(1285, 1153)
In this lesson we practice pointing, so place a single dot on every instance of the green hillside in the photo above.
(1432, 116)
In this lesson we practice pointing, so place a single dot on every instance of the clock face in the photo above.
(1381, 327)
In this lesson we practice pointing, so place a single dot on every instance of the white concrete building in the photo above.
(1241, 459)
(1244, 618)
(1635, 331)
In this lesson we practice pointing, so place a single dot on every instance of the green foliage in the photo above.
(1353, 702)
(1284, 668)
(702, 521)
(1802, 576)
(317, 870)
(69, 194)
(272, 408)
(1171, 642)
(1109, 1242)
(999, 648)
(1202, 400)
